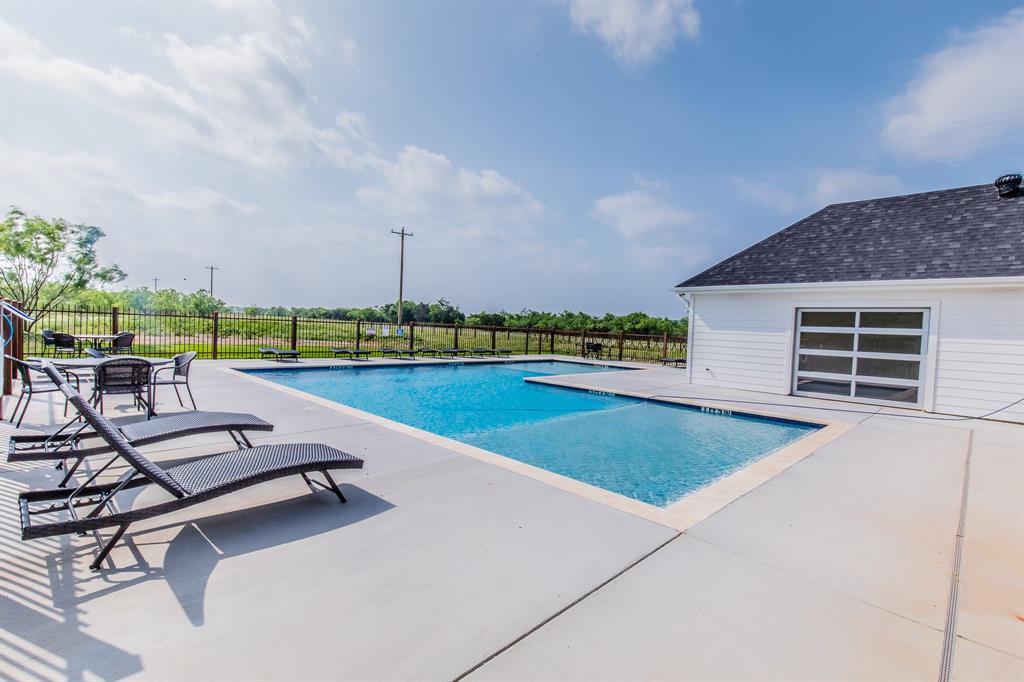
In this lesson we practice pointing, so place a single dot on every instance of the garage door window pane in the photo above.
(886, 343)
(841, 318)
(891, 369)
(902, 320)
(823, 386)
(830, 364)
(902, 394)
(825, 341)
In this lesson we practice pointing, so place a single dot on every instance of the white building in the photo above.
(916, 301)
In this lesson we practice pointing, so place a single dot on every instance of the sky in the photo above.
(545, 155)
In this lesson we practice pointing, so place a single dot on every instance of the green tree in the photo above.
(44, 263)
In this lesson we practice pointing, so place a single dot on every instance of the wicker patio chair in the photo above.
(31, 387)
(65, 344)
(89, 505)
(124, 376)
(179, 376)
(47, 335)
(122, 343)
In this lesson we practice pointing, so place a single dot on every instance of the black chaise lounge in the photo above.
(351, 353)
(75, 441)
(454, 352)
(279, 354)
(675, 361)
(434, 352)
(386, 351)
(187, 484)
(480, 351)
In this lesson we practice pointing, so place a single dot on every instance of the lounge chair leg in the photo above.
(334, 486)
(95, 565)
(70, 472)
(14, 412)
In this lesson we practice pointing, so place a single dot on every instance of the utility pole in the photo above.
(211, 269)
(155, 280)
(401, 269)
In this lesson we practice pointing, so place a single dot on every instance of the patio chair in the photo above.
(65, 344)
(47, 335)
(179, 376)
(122, 343)
(278, 354)
(73, 442)
(597, 350)
(124, 376)
(89, 505)
(95, 353)
(31, 387)
(351, 353)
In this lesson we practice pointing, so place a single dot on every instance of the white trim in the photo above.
(692, 301)
(981, 282)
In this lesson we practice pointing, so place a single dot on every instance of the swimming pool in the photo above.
(649, 451)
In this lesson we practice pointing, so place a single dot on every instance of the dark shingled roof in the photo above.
(952, 233)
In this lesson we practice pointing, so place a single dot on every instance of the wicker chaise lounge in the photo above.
(187, 484)
(75, 441)
(351, 353)
(279, 353)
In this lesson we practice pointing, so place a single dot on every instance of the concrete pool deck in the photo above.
(840, 566)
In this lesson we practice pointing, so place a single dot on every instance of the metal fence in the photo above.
(237, 336)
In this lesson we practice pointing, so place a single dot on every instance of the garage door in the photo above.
(867, 355)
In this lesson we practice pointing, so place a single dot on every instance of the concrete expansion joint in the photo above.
(949, 634)
(565, 608)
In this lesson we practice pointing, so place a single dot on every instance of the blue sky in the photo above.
(546, 155)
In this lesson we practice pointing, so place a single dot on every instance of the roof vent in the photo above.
(1008, 185)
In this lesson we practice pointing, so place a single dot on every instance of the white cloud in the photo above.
(427, 188)
(637, 31)
(242, 99)
(638, 212)
(965, 97)
(818, 188)
(844, 184)
(91, 186)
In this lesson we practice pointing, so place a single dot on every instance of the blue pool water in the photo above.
(649, 451)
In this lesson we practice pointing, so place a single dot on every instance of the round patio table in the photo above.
(90, 363)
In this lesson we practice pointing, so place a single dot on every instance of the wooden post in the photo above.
(216, 331)
(664, 344)
(493, 346)
(412, 333)
(526, 342)
(115, 320)
(621, 335)
(456, 344)
(583, 342)
(359, 331)
(295, 332)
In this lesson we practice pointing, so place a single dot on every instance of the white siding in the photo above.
(744, 341)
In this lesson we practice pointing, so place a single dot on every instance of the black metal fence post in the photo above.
(359, 330)
(216, 331)
(412, 334)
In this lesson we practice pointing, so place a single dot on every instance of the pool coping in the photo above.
(681, 515)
